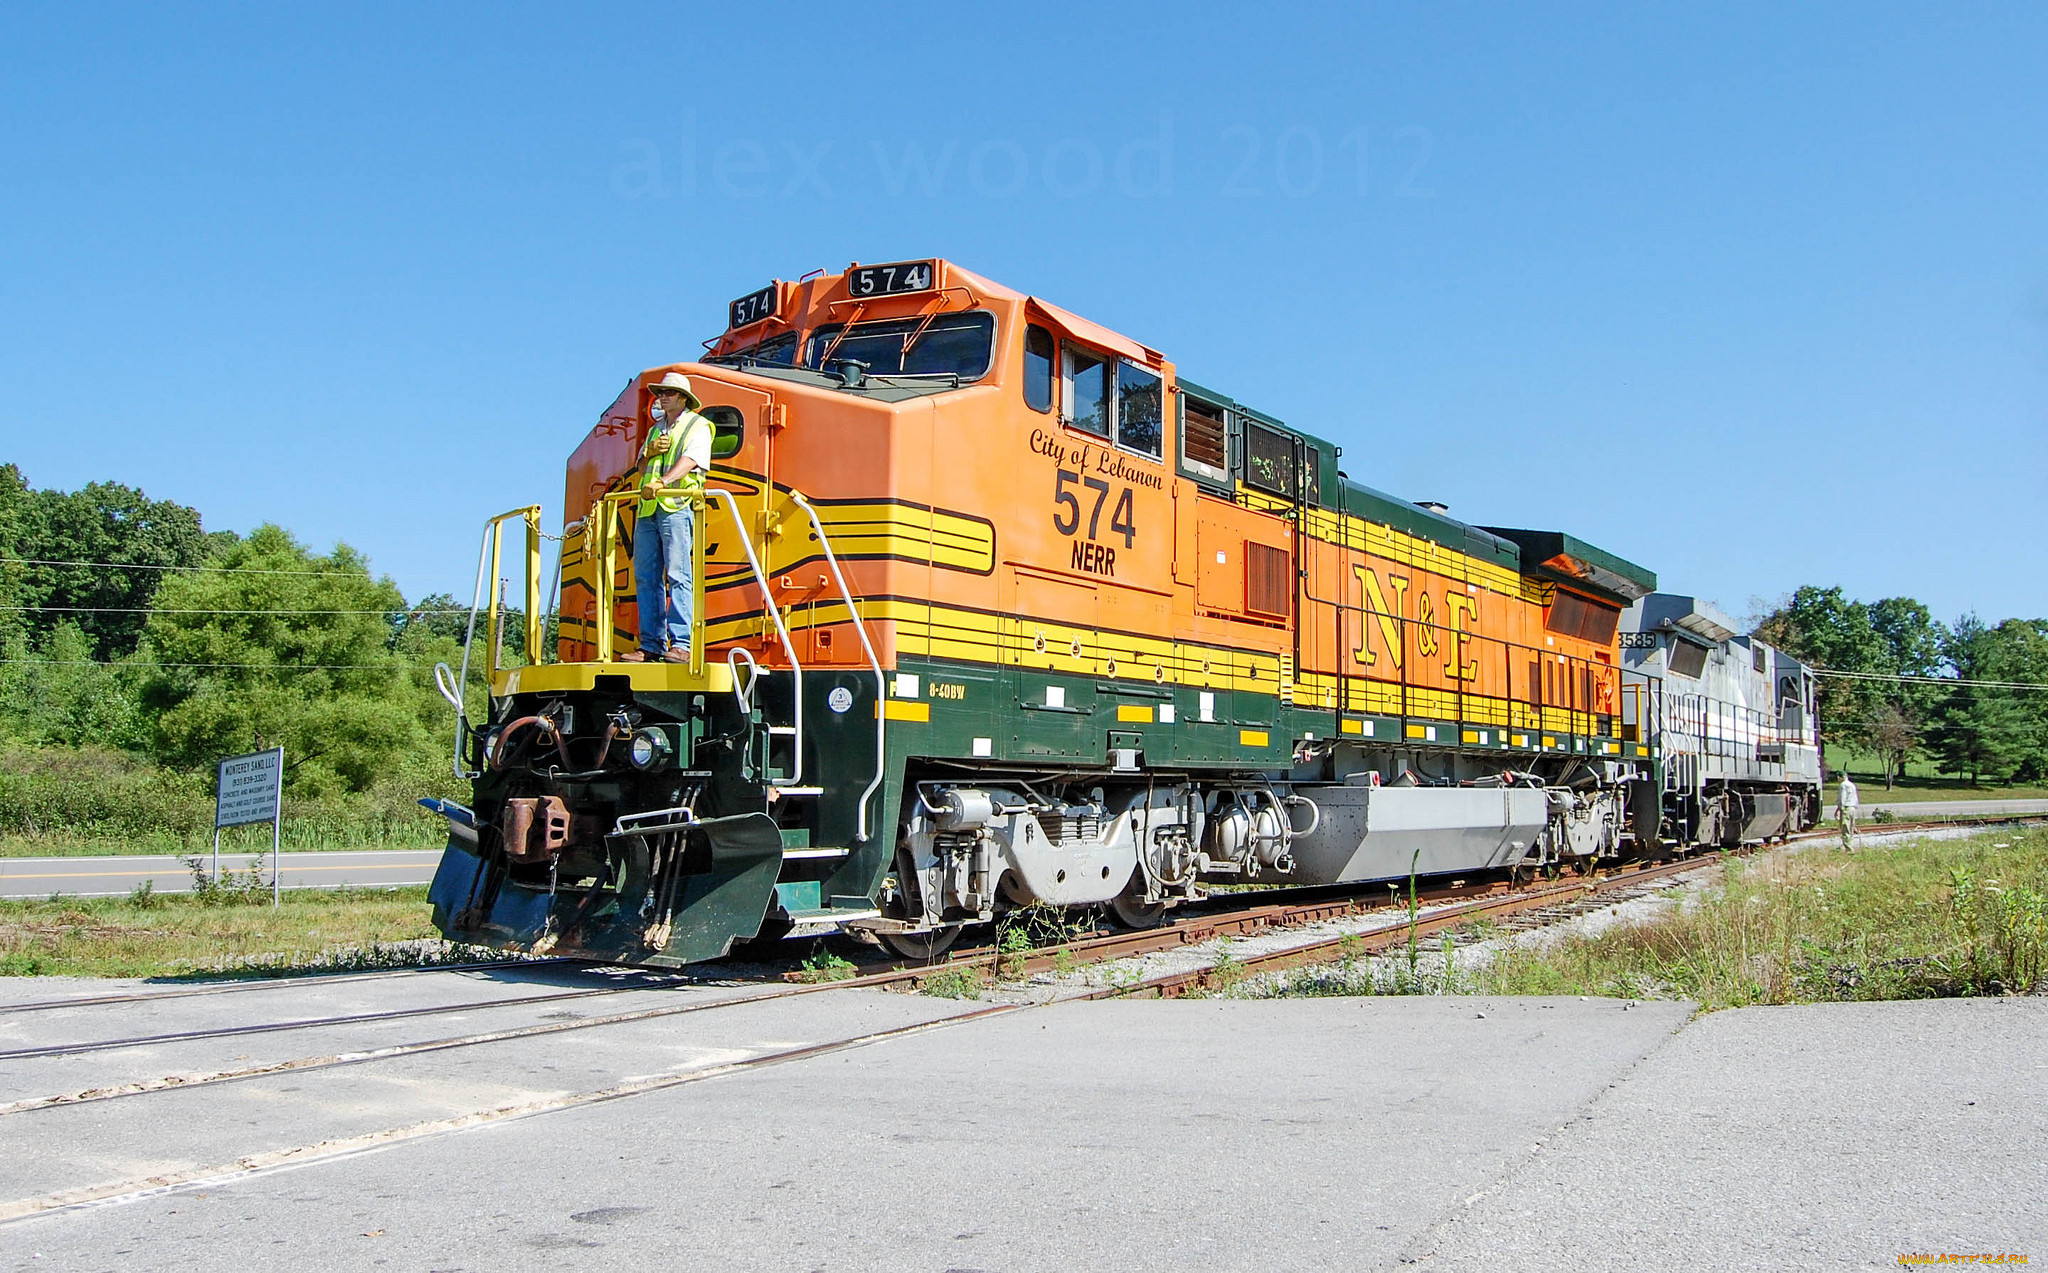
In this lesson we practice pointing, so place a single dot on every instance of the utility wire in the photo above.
(274, 667)
(1930, 680)
(133, 565)
(404, 610)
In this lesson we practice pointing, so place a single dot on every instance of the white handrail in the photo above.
(476, 599)
(774, 613)
(860, 628)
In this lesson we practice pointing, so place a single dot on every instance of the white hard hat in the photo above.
(677, 380)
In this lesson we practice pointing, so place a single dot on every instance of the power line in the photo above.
(406, 610)
(1930, 680)
(274, 667)
(135, 565)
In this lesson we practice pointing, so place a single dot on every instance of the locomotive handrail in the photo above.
(796, 668)
(602, 524)
(531, 516)
(860, 629)
(490, 554)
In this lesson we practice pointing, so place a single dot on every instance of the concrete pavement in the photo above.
(1235, 1134)
(116, 876)
(1183, 1135)
(1831, 1136)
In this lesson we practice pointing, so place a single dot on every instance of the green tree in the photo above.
(1824, 628)
(1911, 640)
(1990, 730)
(280, 646)
(115, 528)
(1909, 636)
(54, 693)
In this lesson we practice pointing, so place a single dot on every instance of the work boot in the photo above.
(633, 656)
(676, 654)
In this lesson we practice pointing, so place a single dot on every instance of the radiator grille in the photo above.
(1268, 580)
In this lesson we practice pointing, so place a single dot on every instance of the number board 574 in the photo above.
(892, 279)
(753, 307)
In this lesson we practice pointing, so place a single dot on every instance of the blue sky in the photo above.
(1754, 295)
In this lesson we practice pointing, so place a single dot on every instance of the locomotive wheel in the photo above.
(1130, 908)
(922, 947)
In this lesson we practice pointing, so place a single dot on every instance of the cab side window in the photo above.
(1139, 408)
(1086, 381)
(1038, 356)
(728, 431)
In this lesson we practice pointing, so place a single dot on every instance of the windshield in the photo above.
(953, 345)
(777, 352)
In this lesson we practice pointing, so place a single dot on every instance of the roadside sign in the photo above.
(251, 789)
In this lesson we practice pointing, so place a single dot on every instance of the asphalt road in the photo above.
(1914, 809)
(114, 876)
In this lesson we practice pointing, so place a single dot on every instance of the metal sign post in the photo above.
(251, 789)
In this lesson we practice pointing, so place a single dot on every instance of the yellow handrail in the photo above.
(601, 540)
(496, 528)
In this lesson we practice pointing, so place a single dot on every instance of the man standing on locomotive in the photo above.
(672, 466)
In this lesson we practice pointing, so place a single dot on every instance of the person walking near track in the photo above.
(672, 466)
(1845, 809)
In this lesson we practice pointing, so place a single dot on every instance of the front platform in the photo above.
(658, 678)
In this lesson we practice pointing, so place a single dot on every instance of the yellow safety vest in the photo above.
(662, 452)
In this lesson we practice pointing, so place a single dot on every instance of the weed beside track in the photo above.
(1922, 919)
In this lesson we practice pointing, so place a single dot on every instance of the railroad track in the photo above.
(272, 983)
(308, 1023)
(134, 1189)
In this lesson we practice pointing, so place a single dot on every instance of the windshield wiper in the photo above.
(954, 376)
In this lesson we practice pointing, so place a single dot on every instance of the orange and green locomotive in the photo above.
(995, 608)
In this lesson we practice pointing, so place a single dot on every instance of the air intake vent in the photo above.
(1268, 580)
(1202, 437)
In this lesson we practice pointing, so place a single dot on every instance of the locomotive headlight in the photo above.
(650, 749)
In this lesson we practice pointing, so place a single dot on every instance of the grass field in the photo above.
(236, 932)
(1870, 789)
(1924, 919)
(1920, 781)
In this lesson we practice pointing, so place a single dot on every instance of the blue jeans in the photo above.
(661, 569)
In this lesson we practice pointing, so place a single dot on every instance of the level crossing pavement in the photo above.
(1354, 1133)
(118, 876)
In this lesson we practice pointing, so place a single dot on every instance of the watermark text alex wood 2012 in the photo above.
(1160, 161)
